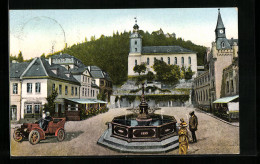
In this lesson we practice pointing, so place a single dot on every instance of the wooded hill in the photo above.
(110, 53)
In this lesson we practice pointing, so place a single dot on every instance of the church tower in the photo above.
(135, 40)
(220, 33)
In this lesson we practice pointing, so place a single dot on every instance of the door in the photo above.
(13, 112)
(59, 110)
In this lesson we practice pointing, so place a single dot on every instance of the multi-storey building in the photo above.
(219, 60)
(16, 70)
(39, 80)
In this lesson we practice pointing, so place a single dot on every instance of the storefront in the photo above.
(74, 107)
(227, 107)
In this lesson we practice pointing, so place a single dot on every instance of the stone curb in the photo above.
(209, 114)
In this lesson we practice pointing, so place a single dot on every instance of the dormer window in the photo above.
(222, 44)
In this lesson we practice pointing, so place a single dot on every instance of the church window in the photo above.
(222, 44)
(135, 49)
(169, 60)
(135, 62)
(189, 60)
(182, 60)
(227, 87)
(148, 61)
(161, 58)
(135, 42)
(175, 62)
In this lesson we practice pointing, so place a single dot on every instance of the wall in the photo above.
(15, 99)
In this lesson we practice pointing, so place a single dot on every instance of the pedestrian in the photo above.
(183, 137)
(193, 125)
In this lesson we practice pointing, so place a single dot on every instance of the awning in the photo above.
(85, 101)
(226, 99)
(100, 101)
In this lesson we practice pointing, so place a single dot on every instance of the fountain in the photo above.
(141, 132)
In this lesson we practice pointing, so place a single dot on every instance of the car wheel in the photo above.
(17, 135)
(61, 135)
(34, 137)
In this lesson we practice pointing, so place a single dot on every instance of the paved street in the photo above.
(214, 136)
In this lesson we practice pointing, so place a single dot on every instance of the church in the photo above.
(147, 54)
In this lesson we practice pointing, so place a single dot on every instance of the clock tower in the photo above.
(221, 40)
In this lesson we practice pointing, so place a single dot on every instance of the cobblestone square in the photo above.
(214, 136)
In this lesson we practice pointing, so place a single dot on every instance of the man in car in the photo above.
(46, 121)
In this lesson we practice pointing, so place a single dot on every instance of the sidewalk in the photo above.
(236, 124)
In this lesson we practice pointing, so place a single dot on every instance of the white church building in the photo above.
(147, 54)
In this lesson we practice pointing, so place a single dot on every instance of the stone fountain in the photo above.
(141, 133)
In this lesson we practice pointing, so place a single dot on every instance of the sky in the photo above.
(35, 32)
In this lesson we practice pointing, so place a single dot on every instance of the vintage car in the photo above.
(34, 133)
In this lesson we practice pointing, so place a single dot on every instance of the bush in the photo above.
(92, 112)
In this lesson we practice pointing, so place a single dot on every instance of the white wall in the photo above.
(143, 58)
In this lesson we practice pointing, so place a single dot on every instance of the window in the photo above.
(88, 91)
(15, 88)
(227, 87)
(37, 87)
(76, 91)
(88, 80)
(37, 108)
(135, 49)
(182, 60)
(161, 58)
(135, 42)
(60, 89)
(72, 90)
(91, 93)
(135, 62)
(232, 86)
(148, 61)
(169, 60)
(175, 60)
(28, 108)
(53, 87)
(222, 44)
(83, 91)
(29, 87)
(189, 60)
(66, 90)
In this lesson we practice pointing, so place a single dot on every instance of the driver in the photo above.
(46, 121)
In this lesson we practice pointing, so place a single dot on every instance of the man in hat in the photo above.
(183, 137)
(46, 120)
(193, 125)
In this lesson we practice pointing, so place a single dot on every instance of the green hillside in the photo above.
(110, 53)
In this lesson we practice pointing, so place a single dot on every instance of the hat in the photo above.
(47, 113)
(183, 124)
(182, 120)
(191, 113)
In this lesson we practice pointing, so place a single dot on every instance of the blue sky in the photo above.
(36, 31)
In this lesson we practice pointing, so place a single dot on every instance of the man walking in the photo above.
(193, 125)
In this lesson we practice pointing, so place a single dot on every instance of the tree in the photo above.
(43, 55)
(189, 73)
(168, 74)
(140, 68)
(50, 105)
(20, 57)
(101, 96)
(150, 76)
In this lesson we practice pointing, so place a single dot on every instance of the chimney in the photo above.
(50, 61)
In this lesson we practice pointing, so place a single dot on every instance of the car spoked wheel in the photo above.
(34, 137)
(17, 135)
(61, 135)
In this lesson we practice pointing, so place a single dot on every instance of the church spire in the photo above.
(219, 22)
(136, 27)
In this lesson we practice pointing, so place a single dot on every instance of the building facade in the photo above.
(147, 54)
(16, 70)
(220, 59)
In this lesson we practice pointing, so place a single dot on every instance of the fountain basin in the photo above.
(156, 128)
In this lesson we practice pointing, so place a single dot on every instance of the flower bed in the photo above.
(92, 112)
